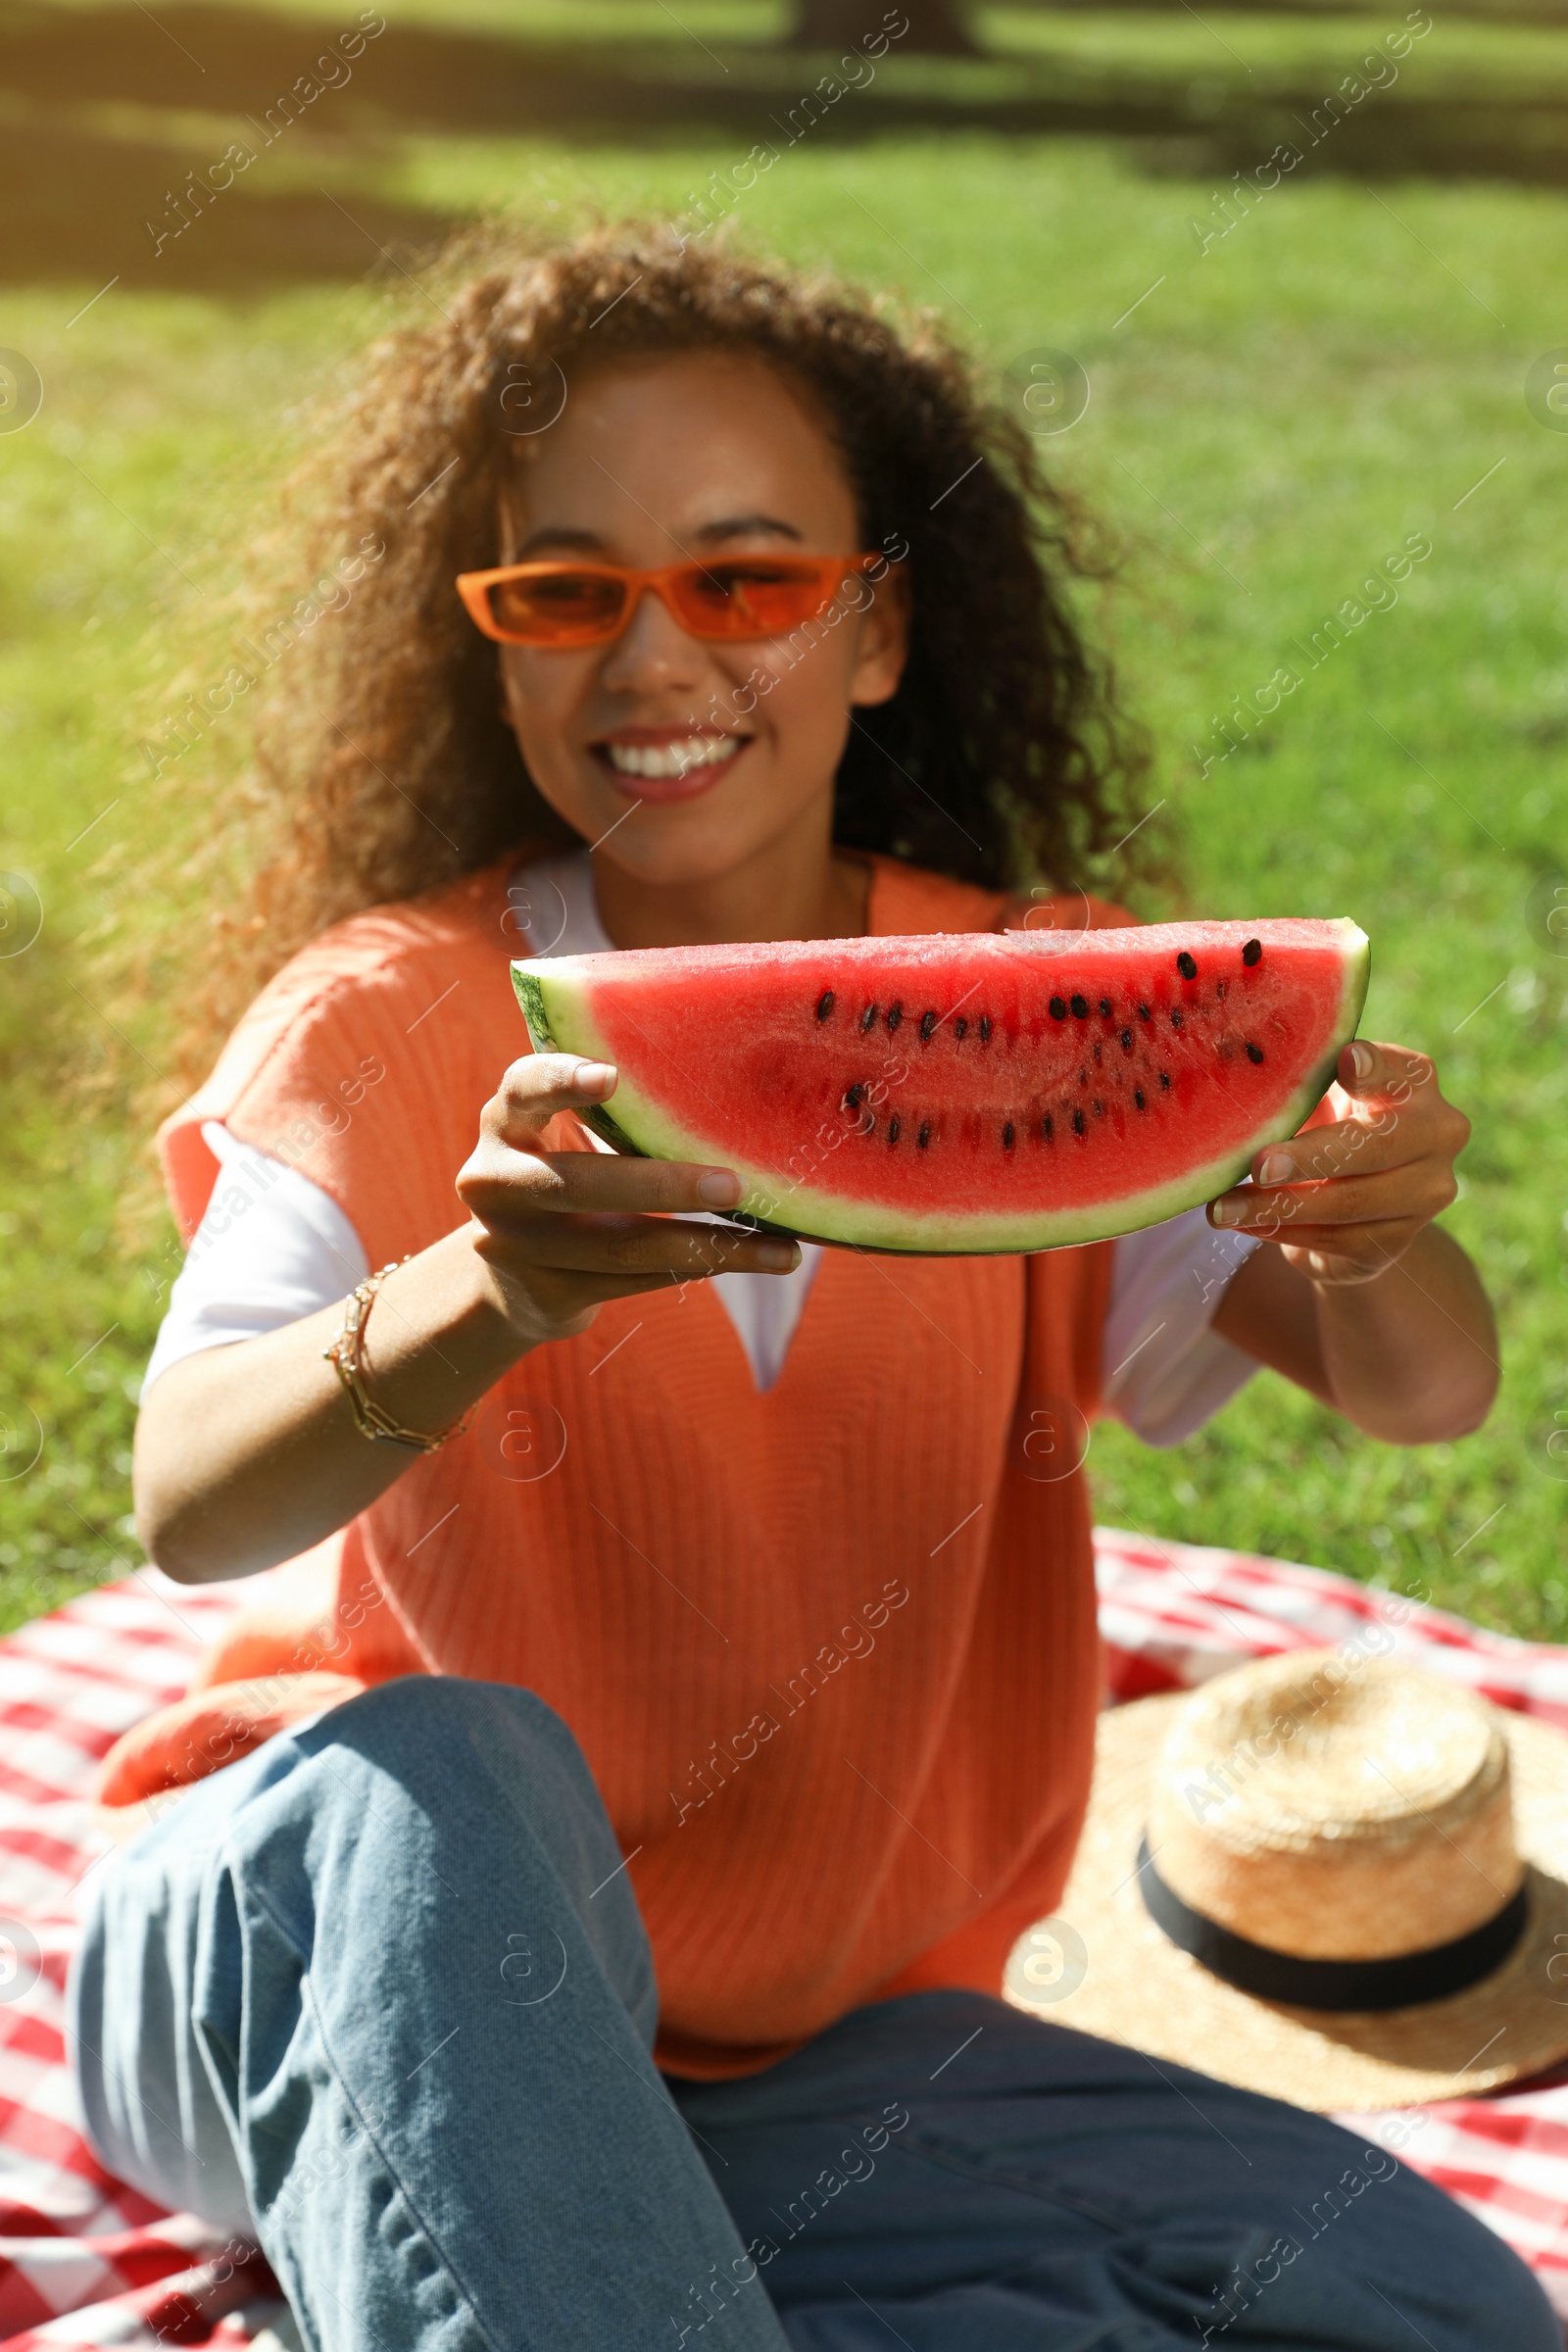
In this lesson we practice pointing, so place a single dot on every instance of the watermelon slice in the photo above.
(964, 1092)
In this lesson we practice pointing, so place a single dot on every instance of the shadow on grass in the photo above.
(78, 206)
(111, 114)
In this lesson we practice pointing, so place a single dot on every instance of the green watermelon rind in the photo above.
(536, 1012)
(558, 1022)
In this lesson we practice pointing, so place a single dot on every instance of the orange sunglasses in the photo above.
(563, 605)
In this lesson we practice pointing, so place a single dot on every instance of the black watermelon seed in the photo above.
(1185, 966)
(1080, 1008)
(895, 1016)
(1077, 1122)
(928, 1022)
(854, 1097)
(1143, 1013)
(1253, 952)
(1058, 1008)
(985, 1027)
(960, 1027)
(1138, 1097)
(1164, 1080)
(893, 1131)
(1254, 1052)
(1105, 1006)
(867, 1018)
(1175, 1017)
(1219, 988)
(924, 1135)
(1046, 1128)
(824, 1005)
(1127, 1041)
(1006, 1136)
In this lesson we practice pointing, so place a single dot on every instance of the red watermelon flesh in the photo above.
(964, 1092)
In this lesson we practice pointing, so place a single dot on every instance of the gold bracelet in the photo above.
(370, 1418)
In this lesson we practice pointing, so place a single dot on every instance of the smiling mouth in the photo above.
(672, 760)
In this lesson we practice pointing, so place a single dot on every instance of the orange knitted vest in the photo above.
(830, 1651)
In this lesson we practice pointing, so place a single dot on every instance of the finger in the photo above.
(499, 1179)
(619, 1246)
(596, 1289)
(1330, 1270)
(1391, 1076)
(569, 1300)
(1429, 1129)
(539, 1086)
(1367, 1069)
(1369, 1253)
(1420, 1189)
(1373, 1244)
(1348, 1147)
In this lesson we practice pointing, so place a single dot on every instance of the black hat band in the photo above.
(1397, 1982)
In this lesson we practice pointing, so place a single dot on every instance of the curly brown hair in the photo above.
(382, 765)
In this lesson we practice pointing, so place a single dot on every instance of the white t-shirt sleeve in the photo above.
(271, 1248)
(1166, 1371)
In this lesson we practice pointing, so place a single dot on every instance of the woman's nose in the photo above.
(652, 651)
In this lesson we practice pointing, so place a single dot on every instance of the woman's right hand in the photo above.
(248, 1453)
(560, 1231)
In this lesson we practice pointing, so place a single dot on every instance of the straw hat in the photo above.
(1332, 1878)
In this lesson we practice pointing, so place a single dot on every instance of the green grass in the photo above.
(1267, 422)
(1315, 49)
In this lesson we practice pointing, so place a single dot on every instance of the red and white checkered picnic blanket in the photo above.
(86, 2261)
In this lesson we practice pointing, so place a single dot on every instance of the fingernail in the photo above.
(1361, 1059)
(776, 1257)
(1225, 1212)
(1275, 1167)
(720, 1190)
(593, 1077)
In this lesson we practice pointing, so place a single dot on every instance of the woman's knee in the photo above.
(457, 1729)
(1476, 2286)
(1411, 2252)
(470, 1767)
(439, 1706)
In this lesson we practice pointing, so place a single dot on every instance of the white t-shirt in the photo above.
(274, 1248)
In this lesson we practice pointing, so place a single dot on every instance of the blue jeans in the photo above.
(380, 1997)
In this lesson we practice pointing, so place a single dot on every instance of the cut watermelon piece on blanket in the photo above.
(963, 1093)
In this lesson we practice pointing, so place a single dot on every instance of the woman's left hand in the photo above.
(1345, 1197)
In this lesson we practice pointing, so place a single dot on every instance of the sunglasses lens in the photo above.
(739, 597)
(558, 607)
(751, 597)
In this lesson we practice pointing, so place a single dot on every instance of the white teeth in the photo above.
(673, 758)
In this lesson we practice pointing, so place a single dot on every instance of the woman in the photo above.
(710, 1602)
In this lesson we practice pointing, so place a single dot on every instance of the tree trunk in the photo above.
(934, 25)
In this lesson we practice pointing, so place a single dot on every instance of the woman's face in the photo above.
(688, 758)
